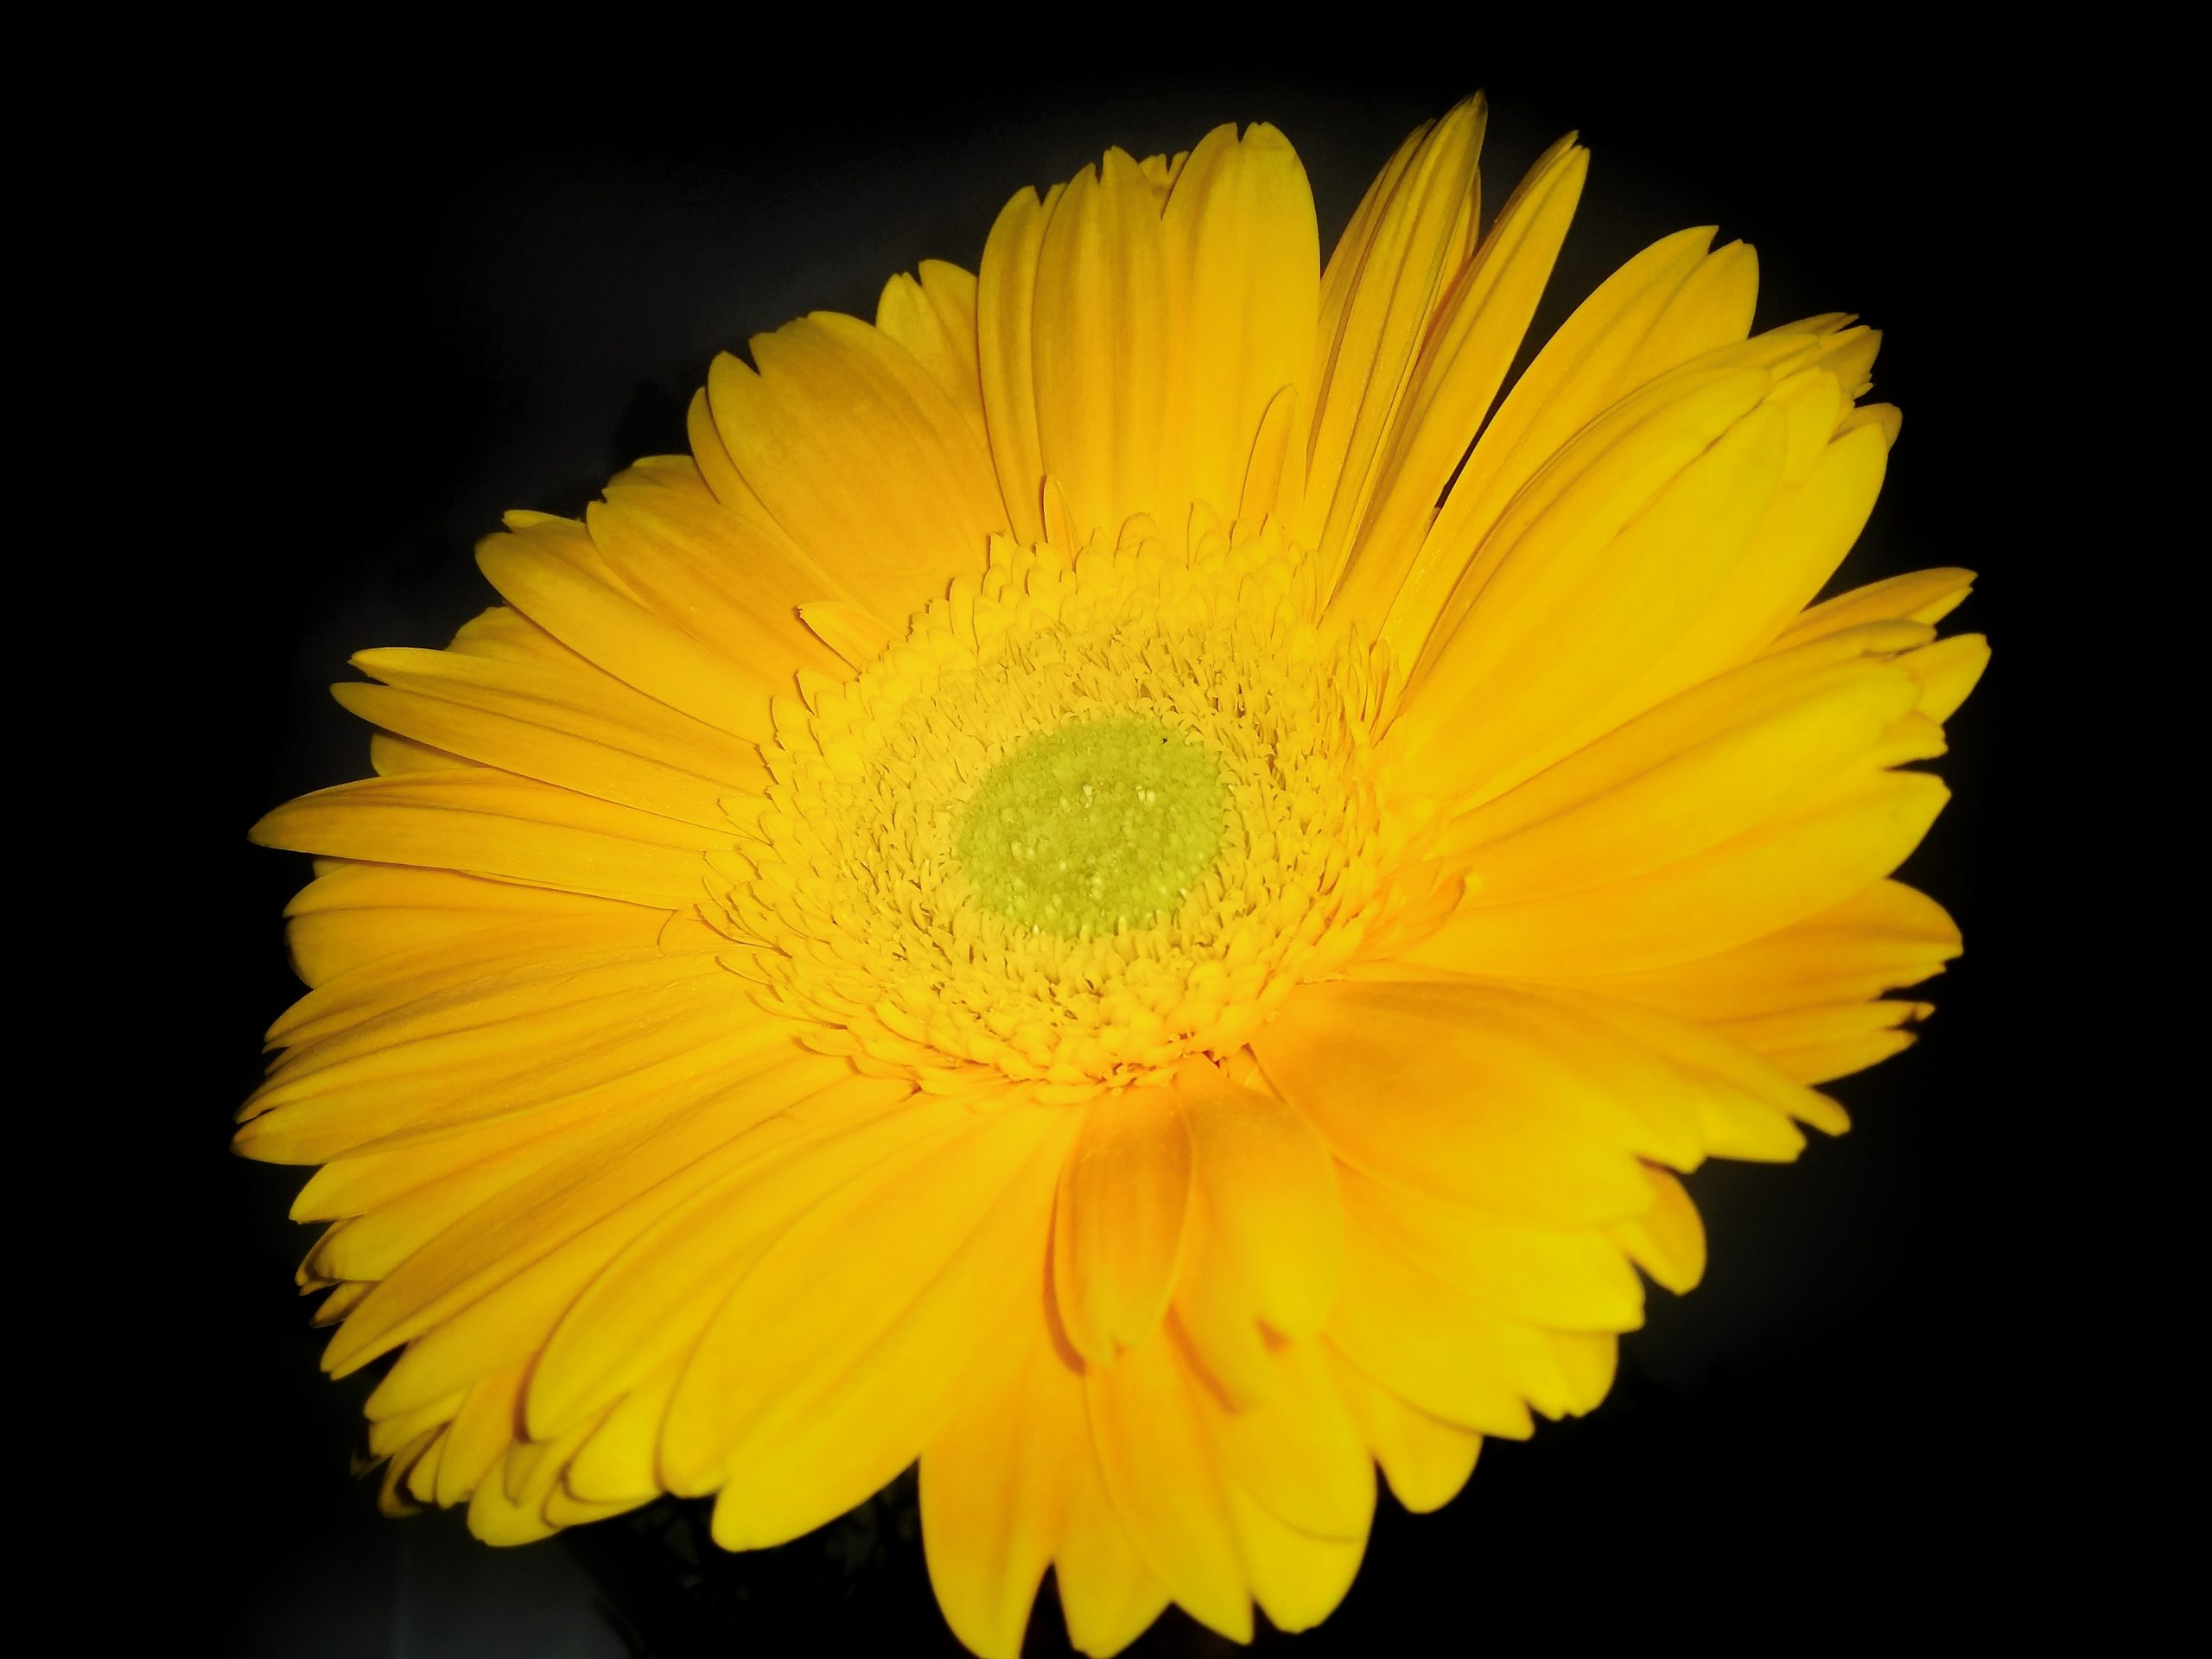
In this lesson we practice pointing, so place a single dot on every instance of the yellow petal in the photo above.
(1921, 596)
(1425, 1460)
(509, 1505)
(1117, 1231)
(1884, 937)
(489, 1289)
(1102, 352)
(1297, 1577)
(1213, 1309)
(995, 1484)
(1692, 773)
(1158, 1465)
(501, 975)
(429, 1072)
(1271, 1191)
(482, 1430)
(617, 1464)
(353, 914)
(1738, 1084)
(841, 1353)
(1006, 309)
(549, 569)
(1298, 1451)
(487, 822)
(1471, 344)
(414, 1467)
(1274, 477)
(1418, 1338)
(1712, 308)
(1108, 1595)
(1792, 867)
(645, 1310)
(932, 314)
(1584, 370)
(1591, 577)
(391, 979)
(1240, 226)
(1667, 1240)
(1818, 1044)
(1396, 266)
(1438, 1088)
(1947, 672)
(854, 633)
(861, 458)
(1566, 1280)
(730, 578)
(599, 739)
(1815, 521)
(677, 473)
(390, 753)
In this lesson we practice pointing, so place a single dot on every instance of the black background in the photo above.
(417, 299)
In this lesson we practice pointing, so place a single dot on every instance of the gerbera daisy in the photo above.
(1125, 885)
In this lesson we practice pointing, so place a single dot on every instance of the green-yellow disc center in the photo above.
(1095, 826)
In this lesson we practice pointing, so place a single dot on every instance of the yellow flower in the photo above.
(1087, 895)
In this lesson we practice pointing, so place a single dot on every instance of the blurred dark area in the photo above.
(417, 299)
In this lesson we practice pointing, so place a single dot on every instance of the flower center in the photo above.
(1090, 816)
(1095, 827)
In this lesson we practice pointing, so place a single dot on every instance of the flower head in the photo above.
(1127, 884)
